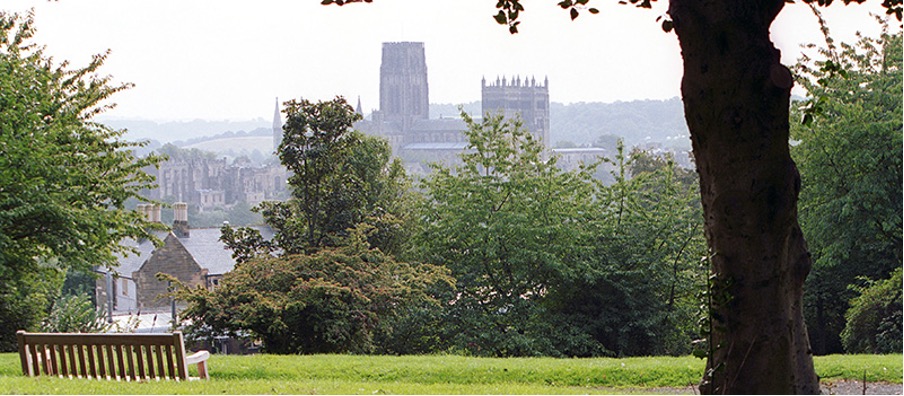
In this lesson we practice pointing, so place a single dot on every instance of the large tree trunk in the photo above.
(736, 98)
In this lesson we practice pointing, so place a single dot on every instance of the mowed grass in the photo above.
(435, 374)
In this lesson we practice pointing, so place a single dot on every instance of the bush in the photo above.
(75, 314)
(874, 319)
(336, 300)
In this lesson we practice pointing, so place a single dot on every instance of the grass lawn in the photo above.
(436, 374)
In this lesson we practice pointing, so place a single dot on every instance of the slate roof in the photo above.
(579, 150)
(439, 125)
(203, 244)
(459, 146)
(132, 262)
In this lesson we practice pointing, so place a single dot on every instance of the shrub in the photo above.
(874, 319)
(75, 314)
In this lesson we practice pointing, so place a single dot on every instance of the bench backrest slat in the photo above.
(101, 361)
(111, 366)
(129, 357)
(159, 354)
(81, 360)
(92, 367)
(120, 365)
(169, 361)
(139, 357)
(60, 354)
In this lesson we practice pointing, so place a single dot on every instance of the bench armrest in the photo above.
(199, 358)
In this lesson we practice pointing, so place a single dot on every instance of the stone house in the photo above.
(196, 257)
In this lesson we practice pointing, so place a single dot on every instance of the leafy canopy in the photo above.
(549, 262)
(328, 281)
(850, 160)
(64, 179)
(340, 179)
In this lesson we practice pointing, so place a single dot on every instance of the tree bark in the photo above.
(736, 99)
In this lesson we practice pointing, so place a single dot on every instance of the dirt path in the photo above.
(856, 388)
(840, 387)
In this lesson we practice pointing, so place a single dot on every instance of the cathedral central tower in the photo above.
(403, 83)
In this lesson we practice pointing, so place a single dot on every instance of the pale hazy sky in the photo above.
(221, 60)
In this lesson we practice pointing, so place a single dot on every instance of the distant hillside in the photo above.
(449, 110)
(172, 131)
(236, 145)
(637, 122)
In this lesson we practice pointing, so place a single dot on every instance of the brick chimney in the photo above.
(180, 219)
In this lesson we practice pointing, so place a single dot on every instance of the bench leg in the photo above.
(202, 370)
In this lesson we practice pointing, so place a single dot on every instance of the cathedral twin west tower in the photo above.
(404, 114)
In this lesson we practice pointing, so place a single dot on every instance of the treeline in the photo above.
(849, 156)
(505, 255)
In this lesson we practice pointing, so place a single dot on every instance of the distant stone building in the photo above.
(404, 92)
(404, 120)
(208, 183)
(516, 98)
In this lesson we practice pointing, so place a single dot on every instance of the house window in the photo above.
(125, 287)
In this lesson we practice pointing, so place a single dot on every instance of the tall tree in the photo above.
(328, 281)
(64, 179)
(510, 227)
(849, 151)
(736, 96)
(639, 293)
(340, 180)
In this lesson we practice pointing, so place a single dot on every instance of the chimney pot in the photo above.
(155, 213)
(180, 220)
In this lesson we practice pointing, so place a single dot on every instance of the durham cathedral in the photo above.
(404, 120)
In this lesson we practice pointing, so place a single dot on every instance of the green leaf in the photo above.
(500, 18)
(807, 119)
(513, 27)
(667, 25)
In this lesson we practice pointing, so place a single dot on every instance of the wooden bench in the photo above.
(125, 357)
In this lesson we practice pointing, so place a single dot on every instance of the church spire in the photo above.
(277, 127)
(358, 108)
